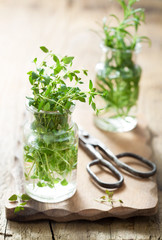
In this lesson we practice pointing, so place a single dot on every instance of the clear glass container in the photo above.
(118, 75)
(50, 156)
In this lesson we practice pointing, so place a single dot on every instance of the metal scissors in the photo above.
(97, 149)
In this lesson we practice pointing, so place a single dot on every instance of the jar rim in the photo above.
(106, 48)
(34, 110)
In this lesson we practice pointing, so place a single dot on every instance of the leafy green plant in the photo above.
(119, 76)
(22, 200)
(120, 37)
(108, 198)
(50, 88)
(51, 153)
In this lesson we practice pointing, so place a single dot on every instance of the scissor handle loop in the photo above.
(108, 165)
(134, 171)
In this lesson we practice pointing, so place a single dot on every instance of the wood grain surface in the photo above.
(66, 27)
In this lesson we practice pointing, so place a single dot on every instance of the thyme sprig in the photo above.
(22, 200)
(108, 198)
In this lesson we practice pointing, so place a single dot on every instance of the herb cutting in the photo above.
(118, 74)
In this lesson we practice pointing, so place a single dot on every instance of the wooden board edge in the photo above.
(61, 215)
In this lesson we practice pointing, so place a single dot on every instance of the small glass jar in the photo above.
(118, 76)
(50, 155)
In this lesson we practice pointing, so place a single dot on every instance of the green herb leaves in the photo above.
(21, 199)
(64, 182)
(67, 60)
(13, 198)
(52, 156)
(44, 49)
(108, 198)
(50, 84)
(25, 197)
(119, 85)
(118, 77)
(119, 37)
(49, 158)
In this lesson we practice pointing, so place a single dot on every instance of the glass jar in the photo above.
(118, 75)
(50, 156)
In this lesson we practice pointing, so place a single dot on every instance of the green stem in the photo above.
(51, 100)
(30, 170)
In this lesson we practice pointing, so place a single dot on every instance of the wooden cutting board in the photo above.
(139, 195)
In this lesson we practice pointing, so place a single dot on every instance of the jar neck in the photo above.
(119, 58)
(49, 121)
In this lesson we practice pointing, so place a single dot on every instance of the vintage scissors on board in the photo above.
(97, 149)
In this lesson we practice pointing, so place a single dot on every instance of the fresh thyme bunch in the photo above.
(50, 85)
(51, 143)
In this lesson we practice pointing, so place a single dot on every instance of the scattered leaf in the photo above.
(25, 197)
(13, 198)
(44, 49)
(90, 85)
(18, 209)
(85, 72)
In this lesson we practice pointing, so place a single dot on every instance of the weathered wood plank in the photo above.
(29, 231)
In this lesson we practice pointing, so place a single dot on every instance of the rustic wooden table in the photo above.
(65, 26)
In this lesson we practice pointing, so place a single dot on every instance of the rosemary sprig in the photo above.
(118, 79)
